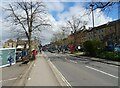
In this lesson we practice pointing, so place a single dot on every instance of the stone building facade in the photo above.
(108, 33)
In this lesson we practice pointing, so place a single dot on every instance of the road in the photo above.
(84, 72)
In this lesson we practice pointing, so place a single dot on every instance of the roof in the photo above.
(20, 47)
(97, 28)
(107, 24)
(10, 40)
(22, 42)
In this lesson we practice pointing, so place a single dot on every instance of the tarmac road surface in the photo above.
(84, 72)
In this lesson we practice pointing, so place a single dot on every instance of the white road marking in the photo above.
(34, 65)
(73, 61)
(8, 79)
(65, 58)
(101, 71)
(29, 78)
(63, 78)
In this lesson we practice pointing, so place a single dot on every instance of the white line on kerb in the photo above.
(101, 71)
(63, 78)
(109, 64)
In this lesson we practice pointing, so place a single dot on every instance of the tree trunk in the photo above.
(29, 44)
(75, 40)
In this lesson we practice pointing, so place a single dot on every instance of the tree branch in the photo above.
(39, 26)
(18, 19)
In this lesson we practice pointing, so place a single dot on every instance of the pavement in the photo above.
(11, 76)
(41, 74)
(96, 59)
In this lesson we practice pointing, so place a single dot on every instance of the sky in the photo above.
(60, 11)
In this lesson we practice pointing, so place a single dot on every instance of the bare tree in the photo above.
(76, 24)
(102, 5)
(27, 17)
(64, 34)
(64, 31)
(57, 37)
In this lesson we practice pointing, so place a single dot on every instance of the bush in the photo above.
(92, 48)
(110, 55)
(96, 49)
(107, 55)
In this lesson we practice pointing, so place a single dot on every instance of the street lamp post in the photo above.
(91, 6)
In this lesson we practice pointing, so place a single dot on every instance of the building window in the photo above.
(99, 37)
(12, 44)
(102, 36)
(101, 30)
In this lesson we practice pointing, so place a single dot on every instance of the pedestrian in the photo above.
(34, 54)
(10, 60)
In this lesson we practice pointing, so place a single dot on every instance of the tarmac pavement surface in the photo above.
(41, 74)
(11, 74)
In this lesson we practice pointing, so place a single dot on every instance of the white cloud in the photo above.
(55, 27)
(79, 11)
(101, 18)
(55, 6)
(55, 24)
(76, 10)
